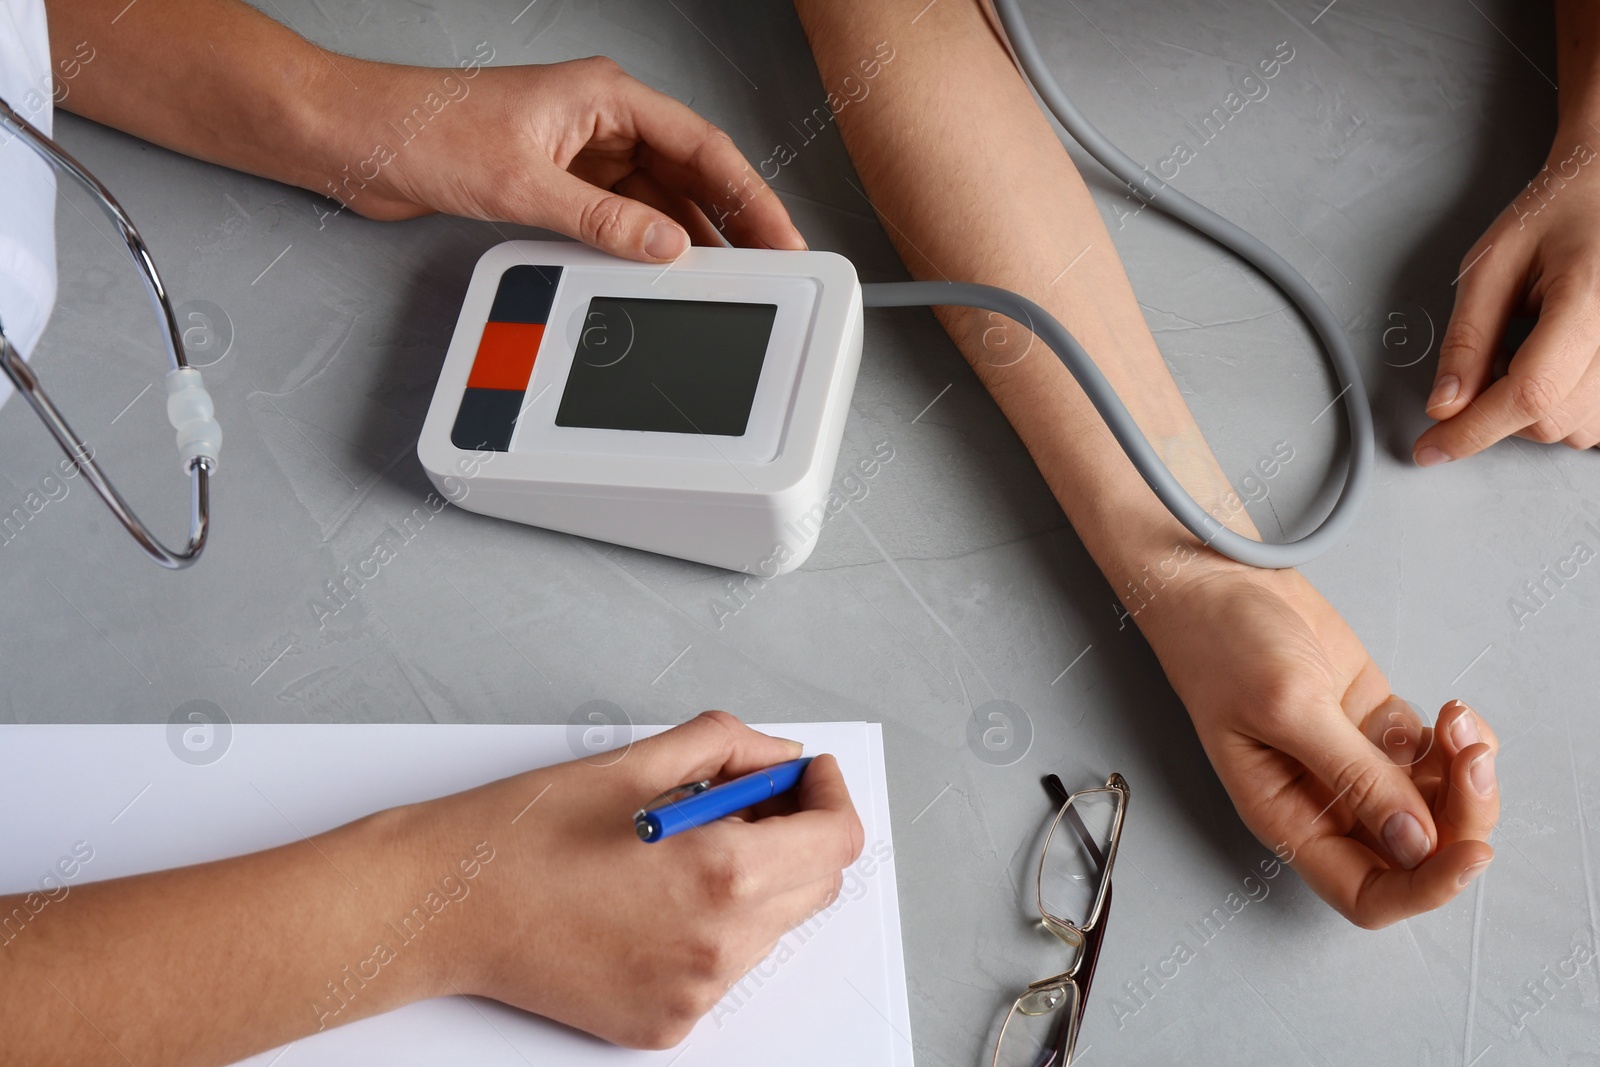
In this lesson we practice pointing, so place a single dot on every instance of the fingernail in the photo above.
(798, 747)
(663, 240)
(1464, 731)
(1444, 391)
(1481, 773)
(1406, 839)
(1429, 456)
(1470, 875)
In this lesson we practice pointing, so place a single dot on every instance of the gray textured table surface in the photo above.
(1384, 147)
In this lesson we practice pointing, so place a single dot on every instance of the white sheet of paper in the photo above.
(835, 997)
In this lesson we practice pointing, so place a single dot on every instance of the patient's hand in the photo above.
(586, 924)
(1382, 816)
(577, 147)
(1541, 256)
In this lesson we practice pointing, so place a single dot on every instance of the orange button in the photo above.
(505, 355)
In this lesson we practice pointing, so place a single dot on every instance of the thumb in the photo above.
(606, 220)
(1364, 781)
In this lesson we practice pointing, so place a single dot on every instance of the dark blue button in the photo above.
(486, 419)
(525, 294)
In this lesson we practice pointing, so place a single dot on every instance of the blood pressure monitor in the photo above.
(694, 410)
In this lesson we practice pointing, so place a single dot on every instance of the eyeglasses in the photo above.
(189, 406)
(1073, 897)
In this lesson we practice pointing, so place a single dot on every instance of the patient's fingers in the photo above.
(1471, 800)
(1462, 727)
(1399, 731)
(1372, 894)
(1360, 777)
(1468, 804)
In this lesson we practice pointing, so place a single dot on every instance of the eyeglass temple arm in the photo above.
(1058, 793)
(1091, 946)
(1066, 1035)
(186, 393)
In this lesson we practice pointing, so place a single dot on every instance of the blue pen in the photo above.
(699, 803)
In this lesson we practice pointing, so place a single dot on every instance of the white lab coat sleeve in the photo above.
(27, 182)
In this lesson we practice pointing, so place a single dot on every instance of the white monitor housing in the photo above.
(694, 410)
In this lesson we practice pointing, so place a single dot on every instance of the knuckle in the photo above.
(715, 150)
(723, 885)
(1573, 289)
(1534, 396)
(603, 221)
(696, 999)
(847, 842)
(833, 892)
(1553, 427)
(1363, 911)
(1366, 921)
(601, 66)
(1475, 437)
(717, 137)
(1359, 783)
(724, 718)
(710, 959)
(1463, 342)
(663, 1031)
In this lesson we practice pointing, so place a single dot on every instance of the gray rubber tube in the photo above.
(1151, 189)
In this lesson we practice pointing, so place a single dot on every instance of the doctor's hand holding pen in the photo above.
(534, 890)
(579, 147)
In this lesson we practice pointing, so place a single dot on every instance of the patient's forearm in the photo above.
(972, 185)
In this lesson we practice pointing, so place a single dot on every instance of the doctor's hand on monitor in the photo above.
(577, 147)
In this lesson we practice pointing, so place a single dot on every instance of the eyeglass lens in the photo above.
(1036, 1031)
(1074, 860)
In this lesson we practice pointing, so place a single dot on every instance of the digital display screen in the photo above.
(669, 366)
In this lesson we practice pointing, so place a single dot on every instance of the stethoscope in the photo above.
(189, 406)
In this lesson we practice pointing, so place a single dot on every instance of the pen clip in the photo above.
(675, 794)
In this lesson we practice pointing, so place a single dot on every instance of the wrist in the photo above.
(1576, 142)
(1156, 586)
(372, 148)
(1149, 559)
(428, 908)
(338, 127)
